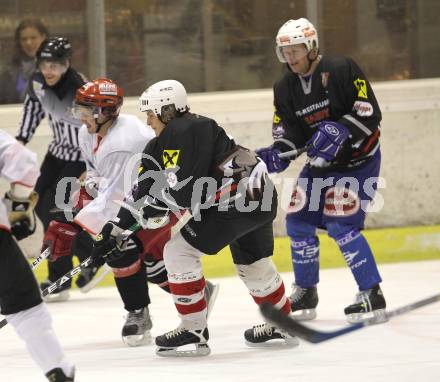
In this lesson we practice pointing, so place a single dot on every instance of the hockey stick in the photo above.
(294, 153)
(294, 328)
(77, 270)
(96, 279)
(44, 255)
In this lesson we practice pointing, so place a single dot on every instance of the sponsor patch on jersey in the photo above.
(297, 201)
(363, 109)
(341, 202)
(170, 158)
(361, 86)
(171, 179)
(107, 88)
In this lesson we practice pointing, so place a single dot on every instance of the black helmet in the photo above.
(54, 49)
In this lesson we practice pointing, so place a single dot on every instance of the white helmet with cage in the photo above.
(293, 32)
(163, 97)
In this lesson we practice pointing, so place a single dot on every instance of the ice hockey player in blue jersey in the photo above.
(327, 104)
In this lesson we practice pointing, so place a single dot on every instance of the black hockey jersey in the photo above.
(336, 91)
(190, 153)
(184, 152)
(56, 103)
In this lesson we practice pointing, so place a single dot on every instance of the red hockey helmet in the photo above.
(101, 97)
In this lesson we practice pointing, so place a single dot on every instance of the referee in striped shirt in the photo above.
(50, 93)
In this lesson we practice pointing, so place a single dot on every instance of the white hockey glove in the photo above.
(20, 202)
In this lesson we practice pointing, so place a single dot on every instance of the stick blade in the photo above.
(294, 328)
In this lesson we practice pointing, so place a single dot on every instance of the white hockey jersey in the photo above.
(17, 165)
(112, 165)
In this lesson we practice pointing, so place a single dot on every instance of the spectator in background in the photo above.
(29, 34)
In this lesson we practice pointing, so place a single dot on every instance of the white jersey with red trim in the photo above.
(112, 166)
(17, 165)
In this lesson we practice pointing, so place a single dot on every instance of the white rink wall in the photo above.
(410, 143)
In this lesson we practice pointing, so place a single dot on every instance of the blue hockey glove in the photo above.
(270, 156)
(328, 140)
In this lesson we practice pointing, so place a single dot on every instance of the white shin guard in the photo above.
(34, 327)
(261, 277)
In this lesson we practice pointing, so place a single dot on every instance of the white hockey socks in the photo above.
(34, 327)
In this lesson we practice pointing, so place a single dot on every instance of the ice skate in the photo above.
(265, 335)
(303, 302)
(57, 375)
(91, 276)
(368, 304)
(211, 292)
(169, 344)
(60, 294)
(136, 330)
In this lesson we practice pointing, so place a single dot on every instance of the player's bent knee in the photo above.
(260, 277)
(181, 256)
(299, 228)
(337, 230)
(125, 264)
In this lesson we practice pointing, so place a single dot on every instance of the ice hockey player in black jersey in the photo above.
(326, 104)
(51, 91)
(192, 164)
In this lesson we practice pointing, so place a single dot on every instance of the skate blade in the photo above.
(304, 315)
(138, 340)
(212, 299)
(201, 350)
(105, 269)
(378, 316)
(278, 343)
(57, 297)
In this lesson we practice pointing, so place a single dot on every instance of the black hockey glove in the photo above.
(111, 243)
(106, 242)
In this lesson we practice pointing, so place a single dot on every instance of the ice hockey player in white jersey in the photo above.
(20, 299)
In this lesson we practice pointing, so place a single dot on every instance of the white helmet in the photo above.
(163, 96)
(294, 32)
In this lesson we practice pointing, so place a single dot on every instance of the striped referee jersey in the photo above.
(54, 102)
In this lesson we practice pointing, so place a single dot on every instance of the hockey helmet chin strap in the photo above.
(99, 125)
(310, 61)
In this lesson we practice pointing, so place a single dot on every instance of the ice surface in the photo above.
(405, 349)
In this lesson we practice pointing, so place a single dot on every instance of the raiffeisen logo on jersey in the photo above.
(107, 88)
(170, 158)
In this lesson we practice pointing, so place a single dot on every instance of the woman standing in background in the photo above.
(29, 34)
